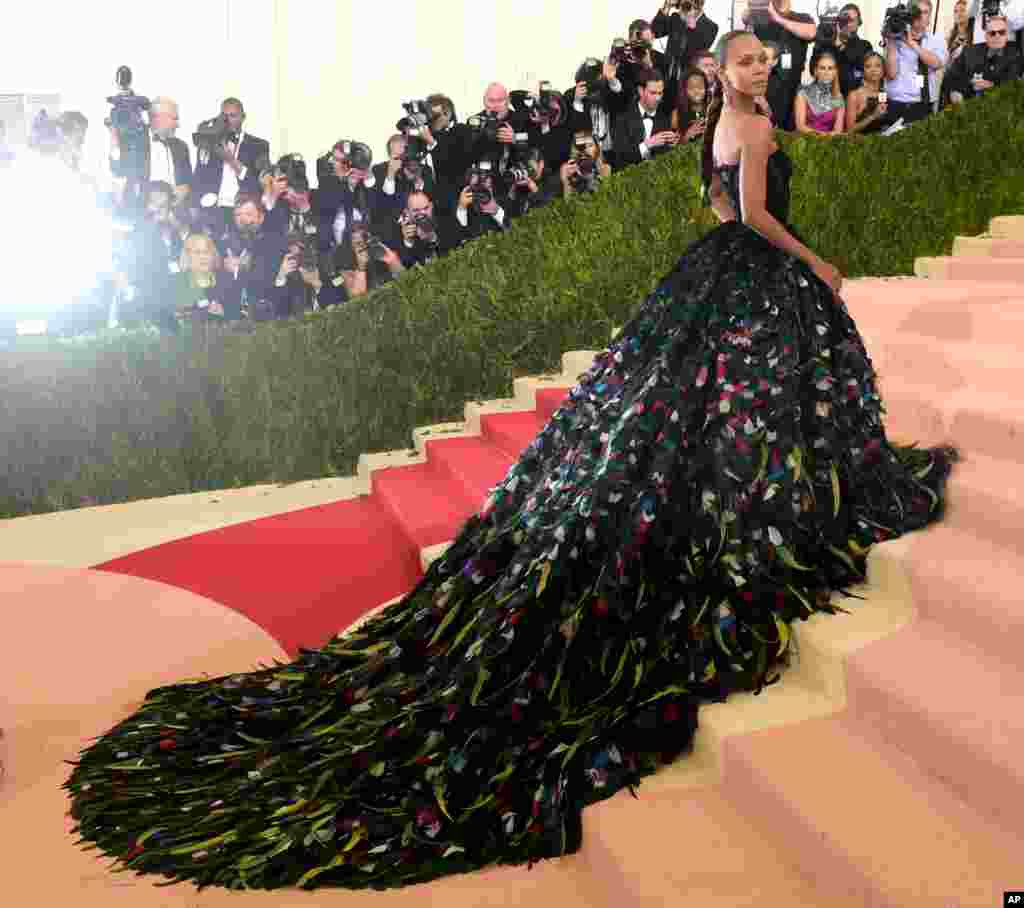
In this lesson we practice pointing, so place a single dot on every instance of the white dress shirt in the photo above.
(645, 152)
(229, 182)
(161, 162)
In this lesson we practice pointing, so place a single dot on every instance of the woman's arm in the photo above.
(756, 140)
(854, 105)
(800, 114)
(720, 203)
(837, 127)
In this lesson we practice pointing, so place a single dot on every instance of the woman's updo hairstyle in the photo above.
(715, 109)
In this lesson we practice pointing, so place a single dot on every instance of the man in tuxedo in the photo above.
(983, 66)
(166, 156)
(644, 130)
(449, 145)
(515, 127)
(233, 167)
(597, 112)
(396, 178)
(424, 235)
(251, 258)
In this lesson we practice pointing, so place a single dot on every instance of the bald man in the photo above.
(165, 157)
(515, 127)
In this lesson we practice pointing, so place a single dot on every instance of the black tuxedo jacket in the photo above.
(179, 154)
(682, 44)
(210, 170)
(629, 133)
(1003, 68)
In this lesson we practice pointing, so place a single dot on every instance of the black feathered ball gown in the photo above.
(714, 476)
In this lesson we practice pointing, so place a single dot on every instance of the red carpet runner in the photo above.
(305, 575)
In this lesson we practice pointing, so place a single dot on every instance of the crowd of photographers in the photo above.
(239, 234)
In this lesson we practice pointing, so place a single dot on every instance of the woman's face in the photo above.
(825, 71)
(960, 11)
(747, 66)
(695, 90)
(872, 70)
(201, 257)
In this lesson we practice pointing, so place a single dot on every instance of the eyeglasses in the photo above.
(1001, 31)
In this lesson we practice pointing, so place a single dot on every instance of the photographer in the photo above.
(165, 157)
(449, 146)
(497, 130)
(424, 236)
(983, 66)
(532, 185)
(251, 258)
(548, 112)
(636, 57)
(228, 160)
(358, 266)
(345, 198)
(477, 211)
(691, 110)
(298, 282)
(793, 33)
(912, 58)
(597, 99)
(847, 47)
(402, 173)
(688, 30)
(644, 130)
(1012, 9)
(287, 197)
(586, 167)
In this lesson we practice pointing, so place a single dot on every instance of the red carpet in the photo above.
(304, 575)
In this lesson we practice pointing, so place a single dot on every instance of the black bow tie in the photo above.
(648, 117)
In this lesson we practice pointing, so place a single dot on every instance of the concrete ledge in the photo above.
(1009, 227)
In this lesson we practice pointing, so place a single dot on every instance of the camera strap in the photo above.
(926, 94)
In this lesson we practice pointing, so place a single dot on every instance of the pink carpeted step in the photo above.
(972, 587)
(864, 822)
(980, 268)
(953, 707)
(913, 412)
(549, 400)
(988, 421)
(473, 463)
(692, 847)
(985, 247)
(511, 432)
(429, 508)
(986, 498)
(969, 318)
(948, 365)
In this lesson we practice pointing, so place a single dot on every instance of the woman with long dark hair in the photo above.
(716, 475)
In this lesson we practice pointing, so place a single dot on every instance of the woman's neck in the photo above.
(203, 278)
(741, 104)
(873, 84)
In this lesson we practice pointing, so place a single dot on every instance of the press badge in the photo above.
(787, 60)
(919, 79)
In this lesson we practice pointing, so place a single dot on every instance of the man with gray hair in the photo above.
(166, 156)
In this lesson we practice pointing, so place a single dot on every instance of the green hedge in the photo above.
(125, 417)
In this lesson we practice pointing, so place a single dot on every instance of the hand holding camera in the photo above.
(289, 265)
(658, 139)
(506, 134)
(695, 129)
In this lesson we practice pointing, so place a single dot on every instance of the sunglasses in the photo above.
(1002, 31)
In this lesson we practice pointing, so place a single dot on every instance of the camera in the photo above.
(483, 191)
(485, 124)
(829, 23)
(211, 134)
(897, 20)
(293, 168)
(417, 115)
(590, 71)
(374, 245)
(356, 155)
(421, 219)
(126, 118)
(624, 52)
(990, 8)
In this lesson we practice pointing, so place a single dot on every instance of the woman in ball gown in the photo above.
(714, 476)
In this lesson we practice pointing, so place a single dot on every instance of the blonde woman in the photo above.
(197, 294)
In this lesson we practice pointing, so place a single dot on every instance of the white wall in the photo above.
(314, 71)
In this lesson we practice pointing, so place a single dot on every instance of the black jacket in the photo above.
(179, 155)
(683, 42)
(629, 133)
(1004, 67)
(849, 61)
(210, 169)
(448, 238)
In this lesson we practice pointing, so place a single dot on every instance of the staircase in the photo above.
(887, 768)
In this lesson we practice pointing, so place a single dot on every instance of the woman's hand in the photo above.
(829, 274)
